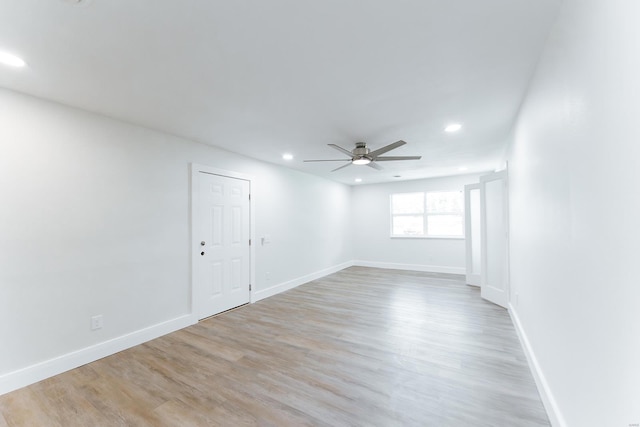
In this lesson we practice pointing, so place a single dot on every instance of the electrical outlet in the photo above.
(97, 322)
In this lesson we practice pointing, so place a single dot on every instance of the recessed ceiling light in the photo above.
(453, 127)
(397, 176)
(287, 156)
(10, 59)
(463, 168)
(358, 179)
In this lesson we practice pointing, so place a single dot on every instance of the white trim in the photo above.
(548, 400)
(471, 278)
(196, 168)
(49, 368)
(412, 267)
(428, 237)
(282, 287)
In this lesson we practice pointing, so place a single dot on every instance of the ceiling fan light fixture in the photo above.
(361, 161)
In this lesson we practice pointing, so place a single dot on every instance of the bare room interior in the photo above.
(319, 213)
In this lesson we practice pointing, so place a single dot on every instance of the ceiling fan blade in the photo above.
(375, 166)
(387, 158)
(342, 150)
(343, 166)
(386, 148)
(328, 160)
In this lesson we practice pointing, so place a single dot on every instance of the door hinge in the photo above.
(249, 242)
(249, 286)
(249, 196)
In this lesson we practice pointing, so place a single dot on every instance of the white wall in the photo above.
(574, 175)
(371, 219)
(94, 219)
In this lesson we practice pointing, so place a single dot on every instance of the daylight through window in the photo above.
(427, 214)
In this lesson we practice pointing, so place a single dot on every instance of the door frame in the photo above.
(484, 289)
(471, 279)
(194, 248)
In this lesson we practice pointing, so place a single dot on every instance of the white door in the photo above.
(473, 239)
(222, 233)
(495, 239)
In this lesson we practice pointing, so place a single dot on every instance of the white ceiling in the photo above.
(261, 78)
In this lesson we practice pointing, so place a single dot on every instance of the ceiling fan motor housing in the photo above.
(361, 150)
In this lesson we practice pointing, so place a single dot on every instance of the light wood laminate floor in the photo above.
(363, 346)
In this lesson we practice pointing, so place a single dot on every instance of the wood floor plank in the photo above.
(363, 346)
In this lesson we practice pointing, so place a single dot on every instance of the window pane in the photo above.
(445, 201)
(445, 225)
(408, 225)
(407, 203)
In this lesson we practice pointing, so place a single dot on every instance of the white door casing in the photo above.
(473, 233)
(221, 234)
(495, 238)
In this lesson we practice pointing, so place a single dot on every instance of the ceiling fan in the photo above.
(361, 155)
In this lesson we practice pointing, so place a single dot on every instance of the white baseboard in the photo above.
(412, 267)
(49, 368)
(549, 402)
(274, 290)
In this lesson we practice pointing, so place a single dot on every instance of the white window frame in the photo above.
(425, 216)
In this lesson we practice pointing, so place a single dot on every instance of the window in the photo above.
(427, 214)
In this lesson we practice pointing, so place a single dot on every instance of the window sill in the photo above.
(429, 237)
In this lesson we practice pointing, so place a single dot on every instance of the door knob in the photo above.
(202, 243)
(202, 253)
